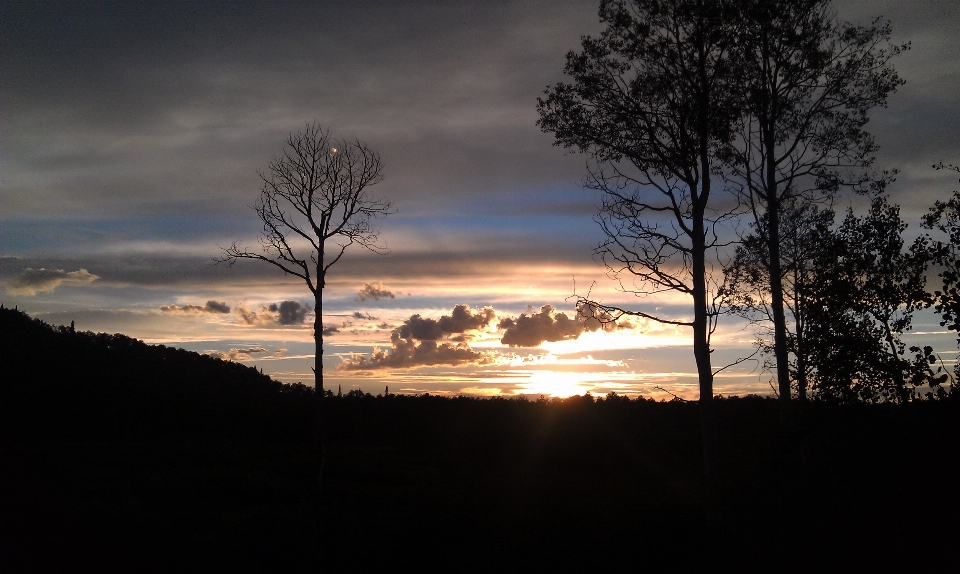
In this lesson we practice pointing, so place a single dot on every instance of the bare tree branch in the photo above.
(315, 203)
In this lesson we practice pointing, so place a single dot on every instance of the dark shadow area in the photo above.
(118, 455)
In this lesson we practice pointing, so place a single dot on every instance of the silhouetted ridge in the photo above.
(36, 348)
(97, 383)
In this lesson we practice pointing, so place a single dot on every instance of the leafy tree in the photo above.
(850, 293)
(809, 83)
(868, 301)
(944, 217)
(314, 203)
(650, 102)
(888, 285)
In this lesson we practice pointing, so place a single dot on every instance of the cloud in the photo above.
(216, 307)
(406, 352)
(375, 292)
(536, 328)
(329, 330)
(461, 320)
(210, 307)
(32, 281)
(254, 317)
(595, 318)
(257, 349)
(237, 354)
(290, 312)
(364, 316)
(283, 314)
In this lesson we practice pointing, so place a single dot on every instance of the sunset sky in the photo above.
(131, 137)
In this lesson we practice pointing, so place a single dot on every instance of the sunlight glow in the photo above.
(602, 341)
(554, 384)
(552, 360)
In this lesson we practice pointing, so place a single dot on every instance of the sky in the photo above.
(131, 135)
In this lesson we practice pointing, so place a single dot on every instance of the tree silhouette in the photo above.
(808, 249)
(944, 216)
(650, 102)
(315, 203)
(850, 293)
(809, 83)
(884, 285)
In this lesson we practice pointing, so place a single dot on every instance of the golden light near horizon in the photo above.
(593, 341)
(556, 384)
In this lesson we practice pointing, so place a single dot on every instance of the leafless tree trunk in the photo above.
(314, 203)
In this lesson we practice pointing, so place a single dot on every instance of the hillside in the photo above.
(115, 453)
(118, 455)
(59, 354)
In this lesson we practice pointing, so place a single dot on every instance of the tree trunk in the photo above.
(780, 350)
(898, 380)
(788, 448)
(801, 367)
(769, 110)
(701, 329)
(800, 317)
(701, 352)
(320, 446)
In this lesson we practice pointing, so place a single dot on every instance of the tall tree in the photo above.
(808, 252)
(809, 82)
(650, 102)
(314, 203)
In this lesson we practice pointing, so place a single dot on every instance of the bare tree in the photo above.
(650, 103)
(314, 204)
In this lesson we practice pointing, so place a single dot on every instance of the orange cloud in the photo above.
(237, 354)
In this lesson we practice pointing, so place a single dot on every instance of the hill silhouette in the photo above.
(97, 384)
(120, 455)
(115, 452)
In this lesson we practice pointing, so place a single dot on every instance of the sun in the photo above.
(555, 384)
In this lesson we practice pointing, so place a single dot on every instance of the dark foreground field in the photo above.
(126, 464)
